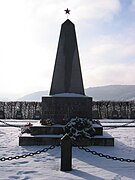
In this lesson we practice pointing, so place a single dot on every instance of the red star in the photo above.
(67, 11)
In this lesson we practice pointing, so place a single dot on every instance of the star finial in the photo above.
(67, 11)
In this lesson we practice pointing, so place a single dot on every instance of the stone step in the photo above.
(40, 140)
(58, 129)
(37, 130)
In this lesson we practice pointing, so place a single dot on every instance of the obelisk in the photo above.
(67, 76)
(67, 98)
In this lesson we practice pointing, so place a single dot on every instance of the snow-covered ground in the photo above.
(46, 166)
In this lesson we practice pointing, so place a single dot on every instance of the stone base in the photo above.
(51, 135)
(61, 109)
(40, 140)
(97, 141)
(58, 129)
(38, 130)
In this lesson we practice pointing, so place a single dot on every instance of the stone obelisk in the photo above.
(67, 98)
(67, 76)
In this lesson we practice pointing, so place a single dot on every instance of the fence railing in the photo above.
(66, 158)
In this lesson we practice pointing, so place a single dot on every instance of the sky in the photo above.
(29, 33)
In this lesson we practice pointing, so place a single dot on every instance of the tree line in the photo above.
(100, 110)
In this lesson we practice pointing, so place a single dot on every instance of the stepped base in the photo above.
(58, 129)
(40, 140)
(51, 135)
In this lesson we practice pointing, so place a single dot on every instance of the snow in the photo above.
(46, 166)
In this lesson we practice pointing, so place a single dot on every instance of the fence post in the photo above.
(66, 153)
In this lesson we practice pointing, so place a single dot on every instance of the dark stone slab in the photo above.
(66, 153)
(61, 109)
(44, 140)
(38, 130)
(39, 140)
(96, 141)
(98, 130)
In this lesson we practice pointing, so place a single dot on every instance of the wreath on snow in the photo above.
(79, 128)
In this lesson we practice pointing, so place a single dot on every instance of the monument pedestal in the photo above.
(60, 109)
(67, 98)
(51, 135)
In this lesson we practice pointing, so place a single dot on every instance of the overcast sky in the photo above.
(29, 32)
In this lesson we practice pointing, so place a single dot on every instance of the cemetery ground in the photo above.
(46, 165)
